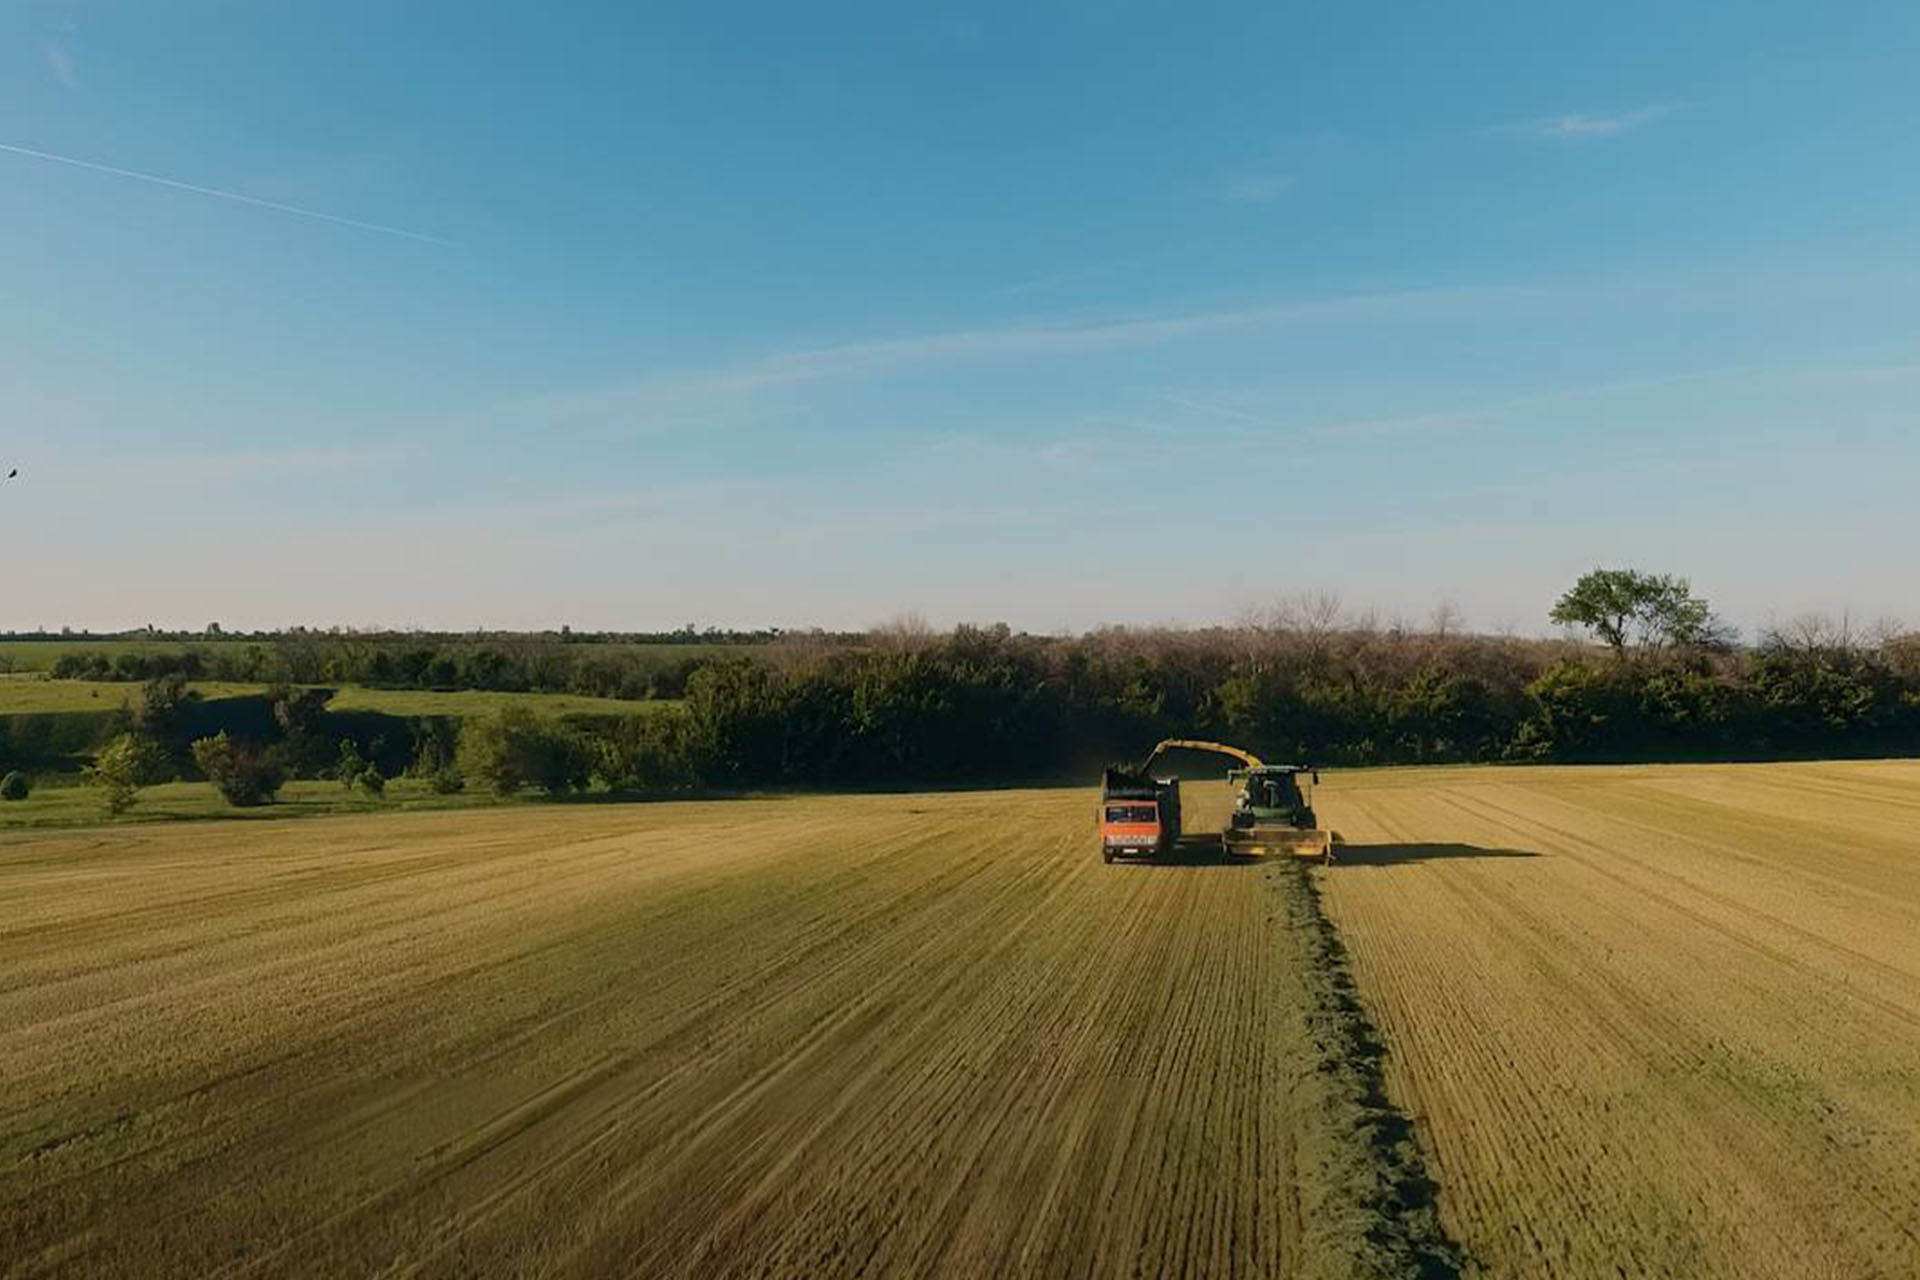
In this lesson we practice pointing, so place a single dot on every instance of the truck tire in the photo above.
(1106, 854)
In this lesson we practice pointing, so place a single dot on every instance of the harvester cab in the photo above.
(1273, 813)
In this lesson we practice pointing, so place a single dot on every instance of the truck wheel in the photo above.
(1106, 855)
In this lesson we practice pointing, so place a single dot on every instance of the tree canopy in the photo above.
(1626, 607)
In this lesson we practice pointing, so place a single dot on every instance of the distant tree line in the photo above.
(982, 704)
(1664, 680)
(213, 632)
(506, 665)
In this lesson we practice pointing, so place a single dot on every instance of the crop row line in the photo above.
(1370, 1207)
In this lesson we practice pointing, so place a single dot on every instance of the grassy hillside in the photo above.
(69, 802)
(27, 656)
(37, 695)
(34, 695)
(51, 726)
(40, 655)
(469, 702)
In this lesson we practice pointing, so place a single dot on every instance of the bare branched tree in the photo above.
(908, 631)
(1446, 619)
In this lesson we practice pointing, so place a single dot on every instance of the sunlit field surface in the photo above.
(1645, 1022)
(1651, 1021)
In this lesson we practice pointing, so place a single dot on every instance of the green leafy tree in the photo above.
(1626, 607)
(351, 764)
(243, 772)
(515, 748)
(161, 716)
(126, 764)
(739, 726)
(297, 711)
(641, 752)
(435, 742)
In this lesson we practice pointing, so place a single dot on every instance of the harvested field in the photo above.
(826, 1036)
(1650, 1021)
(1647, 1022)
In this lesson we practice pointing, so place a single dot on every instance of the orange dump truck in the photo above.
(1139, 815)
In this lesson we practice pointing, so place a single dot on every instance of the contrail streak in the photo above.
(157, 180)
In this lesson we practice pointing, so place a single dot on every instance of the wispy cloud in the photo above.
(1221, 410)
(1467, 417)
(1255, 186)
(1579, 126)
(885, 355)
(220, 194)
(1060, 279)
(61, 63)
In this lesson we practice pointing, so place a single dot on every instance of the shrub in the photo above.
(434, 745)
(297, 713)
(352, 764)
(632, 753)
(373, 782)
(448, 781)
(164, 704)
(1581, 712)
(241, 771)
(515, 748)
(126, 764)
(15, 786)
(738, 714)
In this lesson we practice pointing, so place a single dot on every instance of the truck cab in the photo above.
(1130, 827)
(1139, 816)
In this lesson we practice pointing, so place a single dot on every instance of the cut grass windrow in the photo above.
(1368, 1205)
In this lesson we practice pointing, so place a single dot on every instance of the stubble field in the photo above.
(868, 1035)
(1646, 1022)
(1651, 1021)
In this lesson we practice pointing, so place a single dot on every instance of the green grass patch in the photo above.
(72, 803)
(26, 656)
(37, 695)
(1369, 1205)
(477, 702)
(40, 655)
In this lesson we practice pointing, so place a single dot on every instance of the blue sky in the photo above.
(516, 315)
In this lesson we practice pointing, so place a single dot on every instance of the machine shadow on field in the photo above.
(1389, 855)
